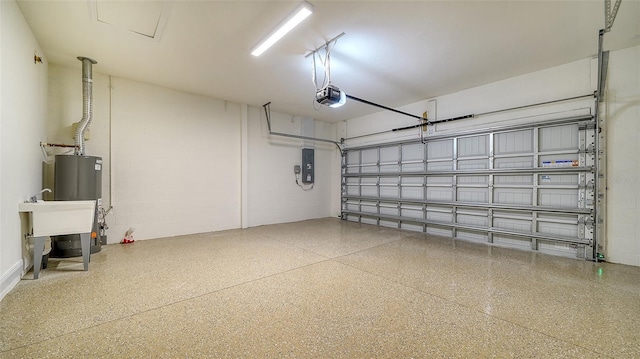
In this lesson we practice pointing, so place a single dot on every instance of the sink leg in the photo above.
(85, 242)
(38, 250)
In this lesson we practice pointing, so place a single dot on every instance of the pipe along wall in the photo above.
(78, 177)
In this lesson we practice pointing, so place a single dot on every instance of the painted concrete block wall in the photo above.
(175, 162)
(176, 155)
(65, 108)
(23, 99)
(273, 196)
(622, 111)
(573, 79)
(175, 158)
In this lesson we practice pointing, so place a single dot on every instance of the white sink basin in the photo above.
(52, 218)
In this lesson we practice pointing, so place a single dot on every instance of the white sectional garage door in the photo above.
(528, 186)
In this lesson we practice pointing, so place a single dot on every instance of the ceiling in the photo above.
(394, 52)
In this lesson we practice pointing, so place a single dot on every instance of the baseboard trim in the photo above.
(10, 278)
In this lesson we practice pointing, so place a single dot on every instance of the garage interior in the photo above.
(390, 179)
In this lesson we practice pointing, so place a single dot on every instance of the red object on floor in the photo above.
(125, 241)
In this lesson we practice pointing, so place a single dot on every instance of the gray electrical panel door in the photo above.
(527, 186)
(307, 165)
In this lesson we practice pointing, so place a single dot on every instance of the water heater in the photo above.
(77, 178)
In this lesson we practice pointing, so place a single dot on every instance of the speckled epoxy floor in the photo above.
(322, 289)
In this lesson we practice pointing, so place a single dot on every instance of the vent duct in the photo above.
(87, 103)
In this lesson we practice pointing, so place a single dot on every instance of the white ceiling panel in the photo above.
(394, 52)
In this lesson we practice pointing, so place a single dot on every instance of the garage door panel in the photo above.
(514, 142)
(513, 180)
(368, 207)
(389, 159)
(390, 211)
(439, 216)
(368, 187)
(353, 190)
(474, 236)
(389, 192)
(389, 154)
(512, 241)
(558, 229)
(369, 156)
(369, 220)
(412, 192)
(558, 248)
(439, 194)
(558, 179)
(389, 187)
(558, 138)
(474, 220)
(440, 166)
(391, 224)
(369, 161)
(443, 180)
(518, 196)
(413, 152)
(558, 160)
(564, 225)
(473, 180)
(514, 162)
(564, 198)
(353, 207)
(369, 169)
(369, 191)
(439, 231)
(352, 162)
(473, 146)
(512, 224)
(413, 167)
(447, 186)
(389, 168)
(411, 227)
(478, 164)
(477, 195)
(439, 149)
(412, 188)
(411, 212)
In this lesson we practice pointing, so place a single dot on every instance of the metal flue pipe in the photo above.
(87, 103)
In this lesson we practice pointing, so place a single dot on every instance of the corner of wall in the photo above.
(23, 113)
(10, 278)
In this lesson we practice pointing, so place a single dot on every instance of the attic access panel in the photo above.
(146, 18)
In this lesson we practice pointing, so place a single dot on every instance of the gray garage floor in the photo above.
(322, 288)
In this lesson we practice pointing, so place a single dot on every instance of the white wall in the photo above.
(273, 195)
(622, 111)
(174, 159)
(171, 160)
(574, 79)
(23, 100)
(564, 81)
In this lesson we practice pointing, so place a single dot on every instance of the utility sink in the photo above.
(52, 218)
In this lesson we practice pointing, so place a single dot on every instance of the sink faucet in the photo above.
(34, 198)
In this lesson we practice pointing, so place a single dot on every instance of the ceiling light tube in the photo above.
(300, 13)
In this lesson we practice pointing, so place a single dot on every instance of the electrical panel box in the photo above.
(307, 165)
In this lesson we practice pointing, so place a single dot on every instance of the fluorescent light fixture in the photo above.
(300, 13)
